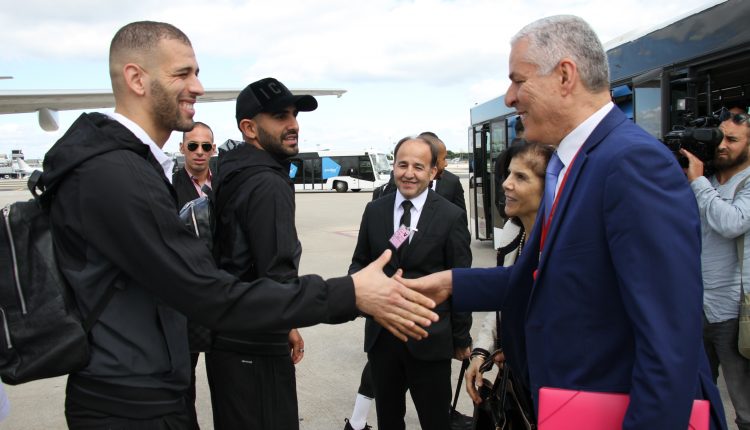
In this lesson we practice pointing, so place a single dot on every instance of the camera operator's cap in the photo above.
(269, 95)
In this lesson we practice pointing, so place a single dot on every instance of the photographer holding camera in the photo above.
(724, 203)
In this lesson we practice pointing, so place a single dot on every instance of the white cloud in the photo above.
(408, 65)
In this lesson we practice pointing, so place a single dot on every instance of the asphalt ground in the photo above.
(328, 376)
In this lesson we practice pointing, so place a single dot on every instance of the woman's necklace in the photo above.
(522, 242)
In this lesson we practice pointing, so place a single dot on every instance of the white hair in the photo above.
(553, 38)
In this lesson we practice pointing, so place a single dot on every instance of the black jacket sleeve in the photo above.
(138, 230)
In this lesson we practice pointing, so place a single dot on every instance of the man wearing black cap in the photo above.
(252, 374)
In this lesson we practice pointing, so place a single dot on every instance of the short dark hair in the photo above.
(739, 104)
(433, 149)
(145, 35)
(433, 139)
(429, 133)
(536, 154)
(198, 124)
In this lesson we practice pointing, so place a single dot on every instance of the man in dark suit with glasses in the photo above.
(198, 147)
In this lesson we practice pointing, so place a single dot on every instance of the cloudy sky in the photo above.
(408, 66)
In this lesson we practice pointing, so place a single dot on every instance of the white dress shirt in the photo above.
(166, 163)
(416, 210)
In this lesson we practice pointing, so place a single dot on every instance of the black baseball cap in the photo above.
(269, 95)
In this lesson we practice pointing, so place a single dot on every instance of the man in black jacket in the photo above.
(253, 373)
(427, 234)
(197, 146)
(446, 183)
(114, 220)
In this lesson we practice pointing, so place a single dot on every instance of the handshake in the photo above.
(402, 306)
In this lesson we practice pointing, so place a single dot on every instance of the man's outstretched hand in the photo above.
(437, 286)
(395, 307)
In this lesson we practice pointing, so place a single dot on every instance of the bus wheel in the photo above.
(356, 190)
(340, 186)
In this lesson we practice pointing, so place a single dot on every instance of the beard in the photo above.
(167, 111)
(275, 145)
(729, 163)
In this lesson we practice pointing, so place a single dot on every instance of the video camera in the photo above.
(700, 136)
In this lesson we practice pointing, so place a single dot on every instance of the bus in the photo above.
(340, 170)
(688, 67)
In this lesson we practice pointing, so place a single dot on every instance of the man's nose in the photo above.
(195, 87)
(510, 96)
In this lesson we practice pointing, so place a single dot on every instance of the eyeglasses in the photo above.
(737, 118)
(207, 147)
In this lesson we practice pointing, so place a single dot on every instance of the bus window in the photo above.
(382, 164)
(498, 144)
(647, 106)
(365, 169)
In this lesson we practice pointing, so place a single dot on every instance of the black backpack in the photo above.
(42, 334)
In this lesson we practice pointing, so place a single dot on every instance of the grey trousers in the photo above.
(720, 341)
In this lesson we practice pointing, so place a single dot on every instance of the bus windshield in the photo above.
(381, 164)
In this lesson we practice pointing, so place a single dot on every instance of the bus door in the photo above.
(480, 184)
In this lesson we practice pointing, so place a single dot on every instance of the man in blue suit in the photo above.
(607, 294)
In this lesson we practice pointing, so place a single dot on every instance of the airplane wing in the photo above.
(49, 102)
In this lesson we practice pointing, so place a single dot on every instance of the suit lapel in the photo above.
(602, 130)
(386, 215)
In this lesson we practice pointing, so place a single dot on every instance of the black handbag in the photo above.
(505, 404)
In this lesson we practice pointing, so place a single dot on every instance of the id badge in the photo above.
(400, 236)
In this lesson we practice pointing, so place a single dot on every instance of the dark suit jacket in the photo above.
(617, 302)
(449, 186)
(442, 241)
(184, 187)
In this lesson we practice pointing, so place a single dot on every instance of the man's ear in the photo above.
(182, 148)
(433, 172)
(135, 78)
(568, 72)
(249, 128)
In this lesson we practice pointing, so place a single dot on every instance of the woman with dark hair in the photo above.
(524, 187)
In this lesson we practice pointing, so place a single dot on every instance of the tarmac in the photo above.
(329, 374)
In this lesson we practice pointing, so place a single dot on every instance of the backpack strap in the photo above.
(35, 185)
(740, 241)
(93, 317)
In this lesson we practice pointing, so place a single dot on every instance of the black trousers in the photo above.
(366, 386)
(394, 371)
(82, 418)
(252, 392)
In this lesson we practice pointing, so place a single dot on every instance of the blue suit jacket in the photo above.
(617, 303)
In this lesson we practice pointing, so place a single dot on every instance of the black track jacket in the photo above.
(256, 234)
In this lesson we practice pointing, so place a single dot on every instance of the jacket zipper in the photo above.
(6, 218)
(6, 329)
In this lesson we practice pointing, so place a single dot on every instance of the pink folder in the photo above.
(584, 410)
